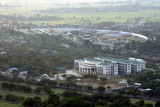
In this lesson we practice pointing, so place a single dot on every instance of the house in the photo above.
(23, 73)
(137, 84)
(3, 53)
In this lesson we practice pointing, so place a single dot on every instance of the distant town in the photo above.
(105, 38)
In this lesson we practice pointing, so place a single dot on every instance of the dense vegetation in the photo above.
(15, 17)
(29, 56)
(74, 99)
(123, 8)
(149, 80)
(11, 86)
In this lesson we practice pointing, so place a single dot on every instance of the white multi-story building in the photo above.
(110, 67)
(132, 65)
(88, 66)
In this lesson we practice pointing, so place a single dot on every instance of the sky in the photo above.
(24, 2)
(53, 1)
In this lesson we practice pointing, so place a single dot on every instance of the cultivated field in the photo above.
(73, 18)
(82, 18)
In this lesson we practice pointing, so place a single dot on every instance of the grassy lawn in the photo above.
(4, 92)
(133, 100)
(8, 104)
(57, 91)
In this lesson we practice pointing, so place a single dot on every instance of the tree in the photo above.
(101, 89)
(87, 43)
(158, 89)
(47, 89)
(0, 96)
(31, 102)
(13, 98)
(52, 101)
(45, 81)
(70, 94)
(126, 102)
(38, 90)
(90, 88)
(73, 102)
(101, 102)
(72, 77)
(37, 98)
(140, 103)
(95, 77)
(157, 104)
(15, 73)
(108, 87)
(64, 75)
(70, 84)
(148, 105)
(103, 79)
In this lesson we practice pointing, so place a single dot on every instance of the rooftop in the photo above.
(112, 60)
(118, 60)
(91, 59)
(106, 64)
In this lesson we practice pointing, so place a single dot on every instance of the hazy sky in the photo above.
(45, 1)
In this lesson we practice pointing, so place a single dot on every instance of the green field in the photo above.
(4, 92)
(57, 91)
(146, 101)
(152, 15)
(76, 18)
(8, 104)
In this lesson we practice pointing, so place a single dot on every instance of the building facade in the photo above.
(110, 67)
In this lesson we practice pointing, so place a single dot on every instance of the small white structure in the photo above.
(65, 45)
(3, 53)
(137, 84)
(23, 73)
(45, 76)
(148, 89)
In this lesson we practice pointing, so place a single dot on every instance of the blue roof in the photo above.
(61, 68)
(119, 35)
(106, 31)
(14, 69)
(114, 35)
